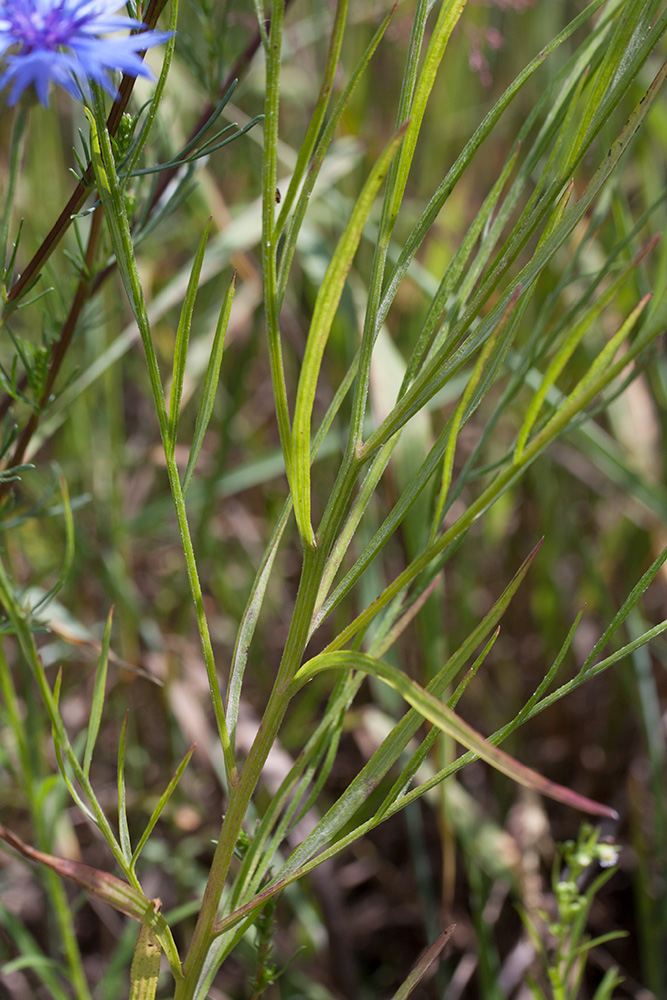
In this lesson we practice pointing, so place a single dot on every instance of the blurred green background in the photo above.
(469, 853)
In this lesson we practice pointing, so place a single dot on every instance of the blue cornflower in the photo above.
(59, 41)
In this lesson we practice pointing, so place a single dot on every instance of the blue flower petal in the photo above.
(59, 41)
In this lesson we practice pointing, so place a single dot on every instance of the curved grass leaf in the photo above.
(437, 713)
(324, 311)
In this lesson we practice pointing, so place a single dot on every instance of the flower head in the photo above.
(607, 855)
(59, 41)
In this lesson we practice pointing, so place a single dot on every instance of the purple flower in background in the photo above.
(59, 41)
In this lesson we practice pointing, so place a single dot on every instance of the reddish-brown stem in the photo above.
(88, 287)
(61, 345)
(80, 193)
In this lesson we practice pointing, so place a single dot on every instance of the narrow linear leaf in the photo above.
(606, 355)
(210, 384)
(68, 781)
(62, 745)
(455, 269)
(253, 607)
(436, 373)
(317, 118)
(158, 92)
(382, 643)
(399, 738)
(449, 722)
(448, 17)
(68, 556)
(249, 621)
(460, 412)
(98, 697)
(429, 958)
(162, 801)
(123, 828)
(323, 144)
(472, 672)
(182, 341)
(569, 345)
(320, 327)
(404, 780)
(121, 240)
(447, 185)
(626, 608)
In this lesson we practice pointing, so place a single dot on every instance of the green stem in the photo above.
(241, 794)
(112, 199)
(273, 48)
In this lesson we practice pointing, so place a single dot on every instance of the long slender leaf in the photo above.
(449, 722)
(98, 697)
(123, 828)
(210, 384)
(182, 340)
(429, 958)
(324, 310)
(161, 803)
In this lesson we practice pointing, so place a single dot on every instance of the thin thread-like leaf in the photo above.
(318, 157)
(123, 828)
(317, 117)
(210, 384)
(182, 340)
(253, 606)
(404, 779)
(161, 803)
(567, 348)
(98, 697)
(558, 423)
(115, 212)
(62, 745)
(436, 203)
(457, 418)
(455, 269)
(68, 555)
(394, 744)
(158, 92)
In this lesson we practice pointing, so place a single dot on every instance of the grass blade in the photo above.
(98, 697)
(435, 712)
(429, 958)
(323, 315)
(182, 340)
(161, 803)
(123, 828)
(210, 384)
